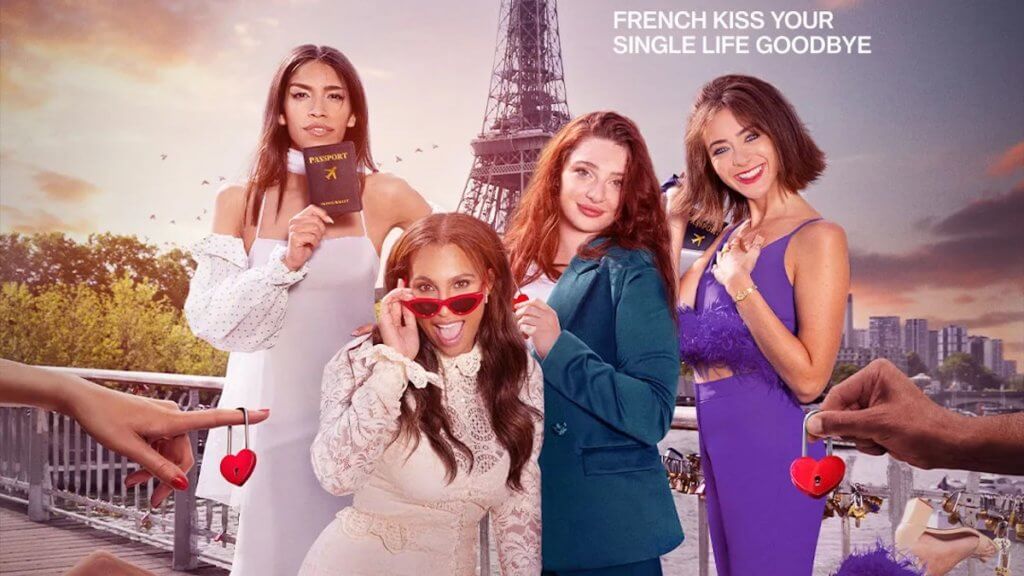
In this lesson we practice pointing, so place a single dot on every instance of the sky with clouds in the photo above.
(925, 136)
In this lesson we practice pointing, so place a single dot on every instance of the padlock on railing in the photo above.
(812, 477)
(237, 468)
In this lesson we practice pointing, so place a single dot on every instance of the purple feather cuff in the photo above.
(881, 561)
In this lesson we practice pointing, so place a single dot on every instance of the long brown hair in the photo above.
(532, 237)
(504, 362)
(270, 168)
(757, 105)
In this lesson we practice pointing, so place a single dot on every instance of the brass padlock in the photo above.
(951, 505)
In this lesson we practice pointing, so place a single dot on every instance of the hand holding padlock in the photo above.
(237, 468)
(812, 477)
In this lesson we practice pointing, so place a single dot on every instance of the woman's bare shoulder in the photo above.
(823, 233)
(229, 210)
(394, 199)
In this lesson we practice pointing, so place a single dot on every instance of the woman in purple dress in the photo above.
(761, 317)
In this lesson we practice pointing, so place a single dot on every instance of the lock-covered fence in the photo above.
(50, 463)
(972, 505)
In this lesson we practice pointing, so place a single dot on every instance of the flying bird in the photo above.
(418, 150)
(398, 158)
(198, 218)
(204, 210)
(172, 221)
(222, 178)
(163, 156)
(205, 182)
(435, 147)
(152, 216)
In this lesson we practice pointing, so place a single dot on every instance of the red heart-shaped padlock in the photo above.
(817, 478)
(237, 468)
(520, 298)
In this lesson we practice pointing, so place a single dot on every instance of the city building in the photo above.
(988, 352)
(884, 332)
(952, 340)
(1009, 369)
(933, 350)
(859, 338)
(976, 348)
(915, 339)
(862, 356)
(848, 323)
(992, 355)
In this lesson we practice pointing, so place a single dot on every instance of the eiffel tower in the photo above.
(526, 105)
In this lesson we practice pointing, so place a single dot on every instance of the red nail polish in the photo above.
(180, 483)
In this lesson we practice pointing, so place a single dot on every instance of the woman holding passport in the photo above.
(281, 284)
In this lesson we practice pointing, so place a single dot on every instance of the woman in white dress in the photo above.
(435, 419)
(282, 285)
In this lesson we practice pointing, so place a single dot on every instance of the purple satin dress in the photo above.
(750, 430)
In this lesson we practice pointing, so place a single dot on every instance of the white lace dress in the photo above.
(406, 518)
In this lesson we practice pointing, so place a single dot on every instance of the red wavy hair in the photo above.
(532, 237)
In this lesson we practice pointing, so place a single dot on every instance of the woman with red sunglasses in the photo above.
(589, 244)
(435, 419)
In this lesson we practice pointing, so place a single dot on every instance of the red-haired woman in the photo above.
(589, 245)
(434, 419)
(761, 318)
(282, 285)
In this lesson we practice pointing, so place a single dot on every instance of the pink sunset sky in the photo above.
(925, 136)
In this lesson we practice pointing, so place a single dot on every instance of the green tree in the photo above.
(841, 372)
(42, 260)
(127, 328)
(962, 367)
(915, 365)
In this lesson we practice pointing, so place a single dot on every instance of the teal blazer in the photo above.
(610, 386)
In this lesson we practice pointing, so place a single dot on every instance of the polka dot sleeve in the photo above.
(235, 307)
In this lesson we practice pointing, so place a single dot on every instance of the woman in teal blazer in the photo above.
(589, 247)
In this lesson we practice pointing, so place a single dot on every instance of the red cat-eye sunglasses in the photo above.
(429, 307)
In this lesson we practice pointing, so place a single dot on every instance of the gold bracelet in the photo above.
(742, 294)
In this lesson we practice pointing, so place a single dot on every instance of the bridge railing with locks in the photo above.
(49, 463)
(971, 505)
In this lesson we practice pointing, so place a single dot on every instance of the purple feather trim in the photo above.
(881, 561)
(718, 336)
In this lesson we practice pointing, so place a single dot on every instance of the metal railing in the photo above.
(50, 463)
(970, 500)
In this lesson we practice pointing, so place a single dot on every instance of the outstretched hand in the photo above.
(153, 433)
(881, 410)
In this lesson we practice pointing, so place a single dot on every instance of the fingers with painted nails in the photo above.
(397, 323)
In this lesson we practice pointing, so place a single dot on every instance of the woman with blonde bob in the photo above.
(589, 245)
(435, 419)
(760, 319)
